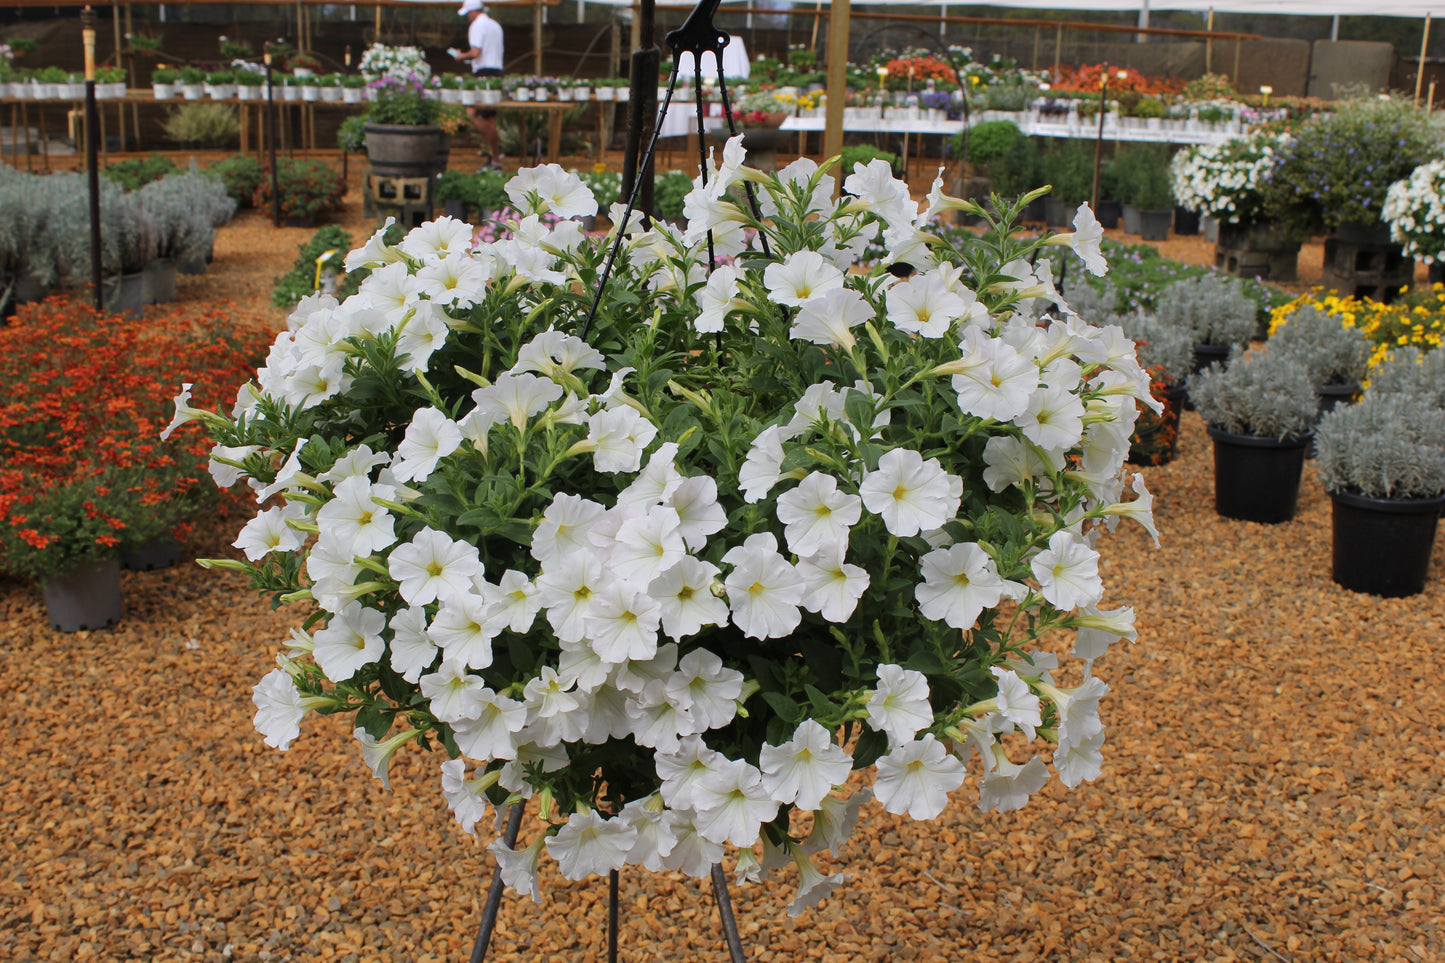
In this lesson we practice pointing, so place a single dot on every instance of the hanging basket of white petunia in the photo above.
(757, 545)
(1415, 211)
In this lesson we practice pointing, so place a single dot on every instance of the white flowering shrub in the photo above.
(1225, 181)
(1415, 210)
(381, 62)
(679, 573)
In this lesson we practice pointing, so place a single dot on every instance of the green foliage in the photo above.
(669, 192)
(164, 75)
(1004, 153)
(484, 191)
(402, 104)
(351, 135)
(202, 124)
(1338, 166)
(1141, 175)
(864, 154)
(139, 171)
(1263, 395)
(308, 187)
(300, 281)
(1069, 169)
(1008, 96)
(241, 174)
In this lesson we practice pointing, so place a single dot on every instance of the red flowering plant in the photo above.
(912, 71)
(1156, 435)
(85, 473)
(308, 187)
(1090, 78)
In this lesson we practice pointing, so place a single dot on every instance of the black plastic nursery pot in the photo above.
(1109, 213)
(1154, 225)
(1186, 222)
(1382, 546)
(1257, 479)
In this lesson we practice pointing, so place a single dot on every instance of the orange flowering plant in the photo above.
(82, 474)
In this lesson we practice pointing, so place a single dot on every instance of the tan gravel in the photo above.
(1271, 791)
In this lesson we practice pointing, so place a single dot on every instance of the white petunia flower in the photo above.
(622, 623)
(763, 590)
(762, 468)
(679, 770)
(800, 277)
(732, 804)
(454, 694)
(591, 845)
(491, 732)
(437, 239)
(356, 522)
(817, 516)
(433, 566)
(910, 493)
(268, 532)
(959, 582)
(832, 586)
(685, 595)
(519, 866)
(1016, 702)
(899, 705)
(463, 632)
(1007, 786)
(280, 707)
(412, 651)
(1068, 572)
(830, 319)
(430, 437)
(621, 435)
(925, 306)
(804, 770)
(350, 641)
(917, 777)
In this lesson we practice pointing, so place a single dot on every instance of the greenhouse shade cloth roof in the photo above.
(1311, 8)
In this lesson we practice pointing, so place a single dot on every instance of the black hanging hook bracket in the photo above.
(698, 34)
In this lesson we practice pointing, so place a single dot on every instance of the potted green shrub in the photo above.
(1003, 153)
(353, 89)
(330, 87)
(1143, 173)
(28, 261)
(308, 188)
(192, 82)
(1335, 171)
(1259, 411)
(1382, 462)
(250, 85)
(163, 80)
(1069, 170)
(221, 84)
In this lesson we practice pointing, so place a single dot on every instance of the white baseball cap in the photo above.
(468, 6)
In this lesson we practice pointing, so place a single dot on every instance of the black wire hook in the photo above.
(697, 35)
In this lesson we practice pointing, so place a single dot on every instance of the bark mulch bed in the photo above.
(1271, 791)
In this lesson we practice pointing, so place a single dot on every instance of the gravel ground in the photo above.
(1271, 791)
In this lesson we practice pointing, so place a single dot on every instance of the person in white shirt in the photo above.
(484, 42)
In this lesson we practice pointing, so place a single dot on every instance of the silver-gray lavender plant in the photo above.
(1264, 395)
(1333, 353)
(1390, 445)
(1212, 307)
